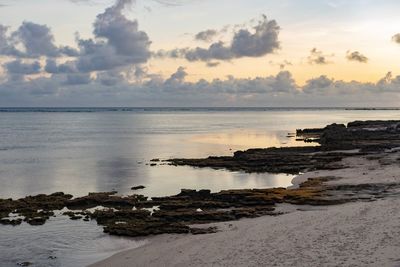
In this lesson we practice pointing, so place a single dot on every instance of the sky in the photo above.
(264, 53)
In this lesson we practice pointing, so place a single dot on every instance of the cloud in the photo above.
(356, 56)
(37, 39)
(206, 36)
(109, 78)
(31, 40)
(262, 40)
(177, 78)
(78, 79)
(18, 67)
(282, 65)
(212, 64)
(109, 69)
(111, 88)
(318, 57)
(396, 38)
(118, 42)
(54, 68)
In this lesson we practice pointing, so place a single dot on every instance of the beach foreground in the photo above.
(364, 233)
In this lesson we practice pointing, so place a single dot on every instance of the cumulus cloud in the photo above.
(396, 38)
(54, 68)
(318, 57)
(110, 88)
(118, 42)
(356, 56)
(31, 40)
(177, 78)
(37, 39)
(78, 79)
(18, 67)
(206, 36)
(258, 42)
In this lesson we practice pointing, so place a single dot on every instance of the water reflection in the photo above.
(249, 138)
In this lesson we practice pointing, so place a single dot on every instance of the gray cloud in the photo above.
(282, 65)
(18, 67)
(319, 84)
(54, 68)
(206, 36)
(78, 79)
(261, 41)
(109, 78)
(212, 64)
(112, 89)
(177, 78)
(396, 38)
(37, 39)
(318, 57)
(356, 56)
(31, 40)
(119, 42)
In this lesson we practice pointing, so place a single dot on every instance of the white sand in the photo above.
(354, 234)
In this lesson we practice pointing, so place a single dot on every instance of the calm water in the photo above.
(106, 149)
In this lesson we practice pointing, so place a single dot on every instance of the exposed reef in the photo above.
(336, 141)
(137, 215)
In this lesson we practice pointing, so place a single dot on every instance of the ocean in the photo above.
(81, 150)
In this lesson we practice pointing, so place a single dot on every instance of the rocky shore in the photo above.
(335, 142)
(137, 215)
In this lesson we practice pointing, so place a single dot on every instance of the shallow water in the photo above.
(103, 150)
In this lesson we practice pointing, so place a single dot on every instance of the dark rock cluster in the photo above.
(135, 215)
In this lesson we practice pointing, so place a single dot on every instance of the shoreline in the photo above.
(362, 232)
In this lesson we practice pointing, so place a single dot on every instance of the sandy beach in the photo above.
(363, 233)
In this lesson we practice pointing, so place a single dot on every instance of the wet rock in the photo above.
(36, 220)
(73, 215)
(25, 263)
(138, 187)
(10, 221)
(291, 160)
(107, 199)
(140, 228)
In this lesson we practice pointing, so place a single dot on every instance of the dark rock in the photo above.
(106, 199)
(139, 228)
(25, 263)
(36, 220)
(138, 187)
(10, 221)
